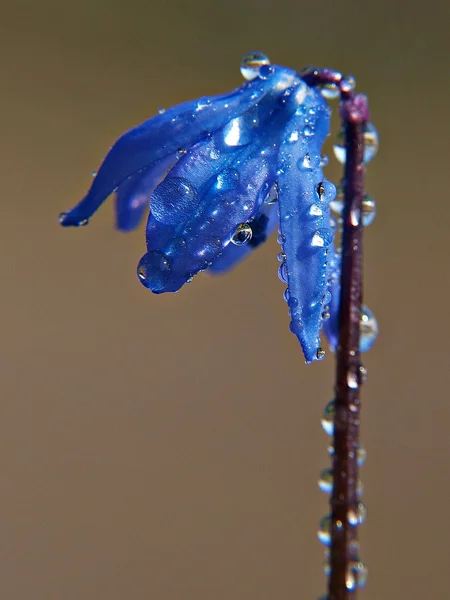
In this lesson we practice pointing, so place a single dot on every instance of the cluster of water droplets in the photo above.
(356, 515)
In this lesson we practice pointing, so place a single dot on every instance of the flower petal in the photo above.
(133, 195)
(304, 198)
(177, 128)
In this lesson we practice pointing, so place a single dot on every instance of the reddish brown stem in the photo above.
(344, 543)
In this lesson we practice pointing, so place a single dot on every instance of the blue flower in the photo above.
(219, 174)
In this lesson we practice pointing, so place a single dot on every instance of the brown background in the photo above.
(168, 447)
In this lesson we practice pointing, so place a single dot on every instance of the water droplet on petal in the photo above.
(94, 173)
(320, 354)
(161, 111)
(272, 194)
(251, 63)
(368, 327)
(328, 417)
(154, 271)
(308, 131)
(317, 241)
(311, 160)
(315, 210)
(324, 531)
(181, 152)
(265, 72)
(242, 235)
(324, 160)
(326, 191)
(281, 257)
(282, 272)
(81, 223)
(326, 481)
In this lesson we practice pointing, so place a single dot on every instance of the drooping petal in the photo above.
(162, 135)
(304, 198)
(133, 195)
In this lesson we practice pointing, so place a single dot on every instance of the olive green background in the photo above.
(168, 446)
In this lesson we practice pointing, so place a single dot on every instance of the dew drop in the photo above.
(339, 147)
(326, 315)
(325, 482)
(272, 194)
(368, 328)
(203, 103)
(94, 174)
(281, 257)
(281, 239)
(161, 111)
(82, 223)
(242, 235)
(357, 516)
(371, 142)
(360, 573)
(326, 191)
(330, 91)
(369, 210)
(181, 152)
(308, 131)
(324, 531)
(282, 272)
(251, 64)
(317, 241)
(265, 72)
(324, 160)
(214, 154)
(311, 160)
(320, 354)
(328, 417)
(350, 580)
(363, 373)
(315, 210)
(359, 488)
(286, 295)
(351, 82)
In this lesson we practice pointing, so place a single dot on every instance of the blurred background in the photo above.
(169, 446)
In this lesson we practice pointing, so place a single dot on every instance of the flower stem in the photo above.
(344, 543)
